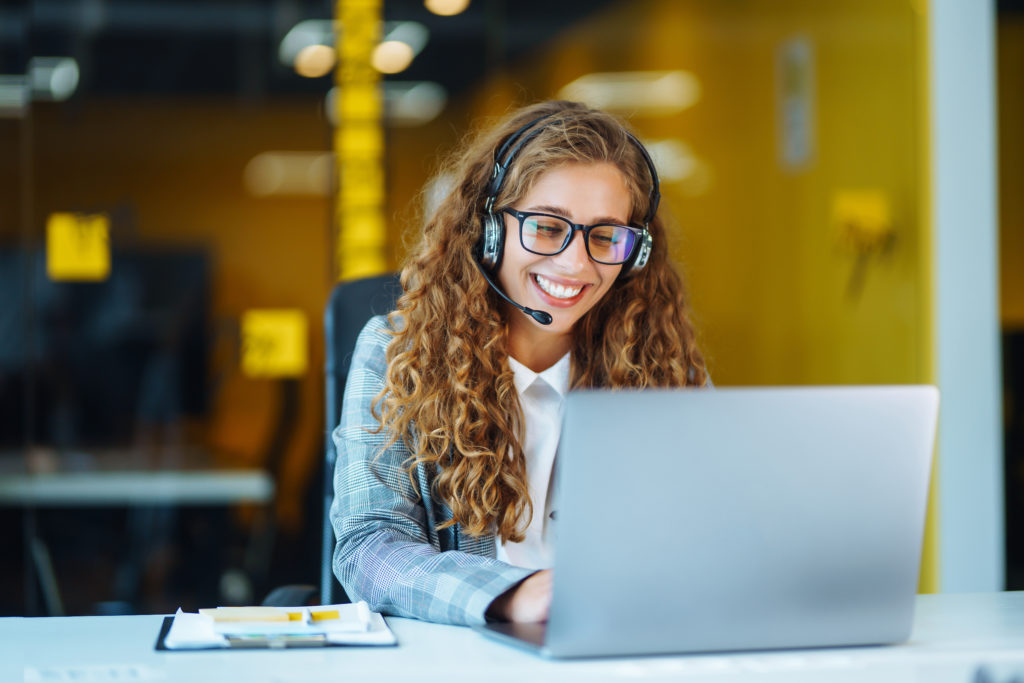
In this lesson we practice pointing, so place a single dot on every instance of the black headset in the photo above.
(491, 246)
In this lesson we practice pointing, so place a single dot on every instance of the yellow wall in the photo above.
(769, 277)
(1010, 68)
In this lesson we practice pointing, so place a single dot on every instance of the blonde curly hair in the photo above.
(449, 391)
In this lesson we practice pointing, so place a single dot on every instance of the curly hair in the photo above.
(449, 391)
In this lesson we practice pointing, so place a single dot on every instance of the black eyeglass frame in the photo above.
(521, 216)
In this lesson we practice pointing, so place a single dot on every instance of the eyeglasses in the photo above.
(547, 235)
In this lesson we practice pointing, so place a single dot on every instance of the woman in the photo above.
(544, 269)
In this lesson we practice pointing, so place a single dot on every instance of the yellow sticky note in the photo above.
(324, 614)
(274, 343)
(245, 614)
(862, 219)
(78, 246)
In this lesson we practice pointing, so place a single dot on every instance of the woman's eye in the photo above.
(603, 238)
(548, 229)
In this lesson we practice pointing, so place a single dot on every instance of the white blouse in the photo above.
(542, 397)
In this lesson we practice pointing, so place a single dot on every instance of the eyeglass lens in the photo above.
(609, 244)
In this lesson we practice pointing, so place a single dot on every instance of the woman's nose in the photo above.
(575, 256)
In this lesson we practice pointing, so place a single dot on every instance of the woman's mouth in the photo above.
(556, 290)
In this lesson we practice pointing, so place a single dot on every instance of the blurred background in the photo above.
(182, 183)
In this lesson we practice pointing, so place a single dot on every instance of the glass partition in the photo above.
(171, 229)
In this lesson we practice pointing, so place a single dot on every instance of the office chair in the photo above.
(351, 305)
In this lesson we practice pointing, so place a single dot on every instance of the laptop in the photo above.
(736, 519)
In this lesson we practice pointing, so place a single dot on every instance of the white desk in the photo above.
(952, 635)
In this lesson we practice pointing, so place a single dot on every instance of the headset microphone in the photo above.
(543, 317)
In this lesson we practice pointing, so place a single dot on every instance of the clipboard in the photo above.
(377, 634)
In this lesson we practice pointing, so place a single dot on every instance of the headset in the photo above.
(491, 246)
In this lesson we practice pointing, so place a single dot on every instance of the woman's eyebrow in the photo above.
(562, 211)
(549, 208)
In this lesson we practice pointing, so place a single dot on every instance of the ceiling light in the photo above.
(53, 79)
(414, 103)
(314, 61)
(303, 35)
(403, 40)
(406, 103)
(673, 158)
(13, 96)
(650, 93)
(289, 173)
(436, 191)
(446, 8)
(391, 57)
(677, 163)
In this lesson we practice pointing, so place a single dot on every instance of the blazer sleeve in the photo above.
(387, 552)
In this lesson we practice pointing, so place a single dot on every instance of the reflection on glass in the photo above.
(648, 93)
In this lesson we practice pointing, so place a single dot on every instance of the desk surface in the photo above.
(952, 635)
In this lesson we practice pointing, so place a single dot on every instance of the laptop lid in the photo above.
(736, 519)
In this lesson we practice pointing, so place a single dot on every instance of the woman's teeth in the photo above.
(556, 290)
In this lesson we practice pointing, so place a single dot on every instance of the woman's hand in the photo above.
(528, 602)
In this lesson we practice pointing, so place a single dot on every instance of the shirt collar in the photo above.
(557, 376)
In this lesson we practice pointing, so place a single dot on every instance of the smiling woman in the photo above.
(568, 281)
(444, 505)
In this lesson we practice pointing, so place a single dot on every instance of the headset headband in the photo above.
(532, 130)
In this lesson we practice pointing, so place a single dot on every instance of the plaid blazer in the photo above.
(389, 551)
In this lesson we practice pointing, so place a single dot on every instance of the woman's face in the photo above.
(569, 284)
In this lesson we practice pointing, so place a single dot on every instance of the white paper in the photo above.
(357, 626)
(352, 618)
(189, 630)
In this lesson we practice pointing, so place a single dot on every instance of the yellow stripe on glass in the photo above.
(930, 578)
(361, 244)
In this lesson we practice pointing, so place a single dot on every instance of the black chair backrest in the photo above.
(351, 305)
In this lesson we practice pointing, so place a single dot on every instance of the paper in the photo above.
(249, 614)
(355, 625)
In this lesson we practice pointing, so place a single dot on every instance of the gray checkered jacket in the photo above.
(389, 552)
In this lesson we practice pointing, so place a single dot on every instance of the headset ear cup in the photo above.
(492, 245)
(643, 253)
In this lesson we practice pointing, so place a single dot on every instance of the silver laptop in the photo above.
(737, 519)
